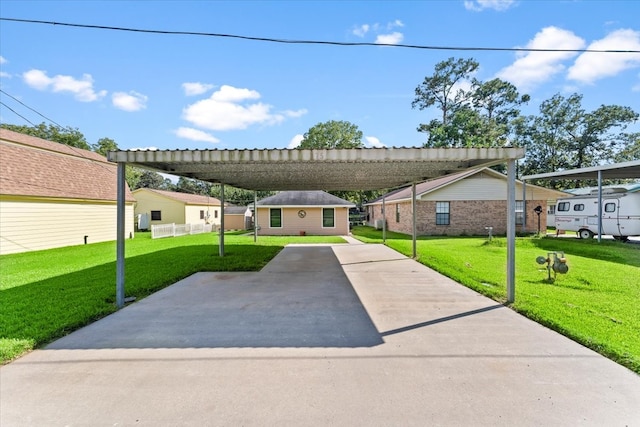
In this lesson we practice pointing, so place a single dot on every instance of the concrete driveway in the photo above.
(324, 335)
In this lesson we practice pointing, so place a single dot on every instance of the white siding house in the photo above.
(167, 207)
(53, 195)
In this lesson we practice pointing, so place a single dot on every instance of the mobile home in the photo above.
(620, 214)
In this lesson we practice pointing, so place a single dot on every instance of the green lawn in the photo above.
(597, 303)
(47, 294)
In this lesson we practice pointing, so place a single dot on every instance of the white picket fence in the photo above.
(173, 230)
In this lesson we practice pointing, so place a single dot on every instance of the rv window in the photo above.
(578, 207)
(563, 207)
(610, 207)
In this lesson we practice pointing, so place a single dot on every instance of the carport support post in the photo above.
(414, 221)
(255, 216)
(221, 247)
(384, 221)
(511, 230)
(599, 206)
(120, 236)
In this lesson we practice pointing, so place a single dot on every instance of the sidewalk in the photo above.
(324, 335)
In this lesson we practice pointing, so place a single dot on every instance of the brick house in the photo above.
(462, 204)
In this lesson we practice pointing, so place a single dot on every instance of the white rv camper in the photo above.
(620, 214)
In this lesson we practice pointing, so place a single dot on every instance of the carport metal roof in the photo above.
(623, 170)
(325, 169)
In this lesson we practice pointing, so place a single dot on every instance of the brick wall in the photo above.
(468, 217)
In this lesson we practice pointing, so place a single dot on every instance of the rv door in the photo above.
(610, 218)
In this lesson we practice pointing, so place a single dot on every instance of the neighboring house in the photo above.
(167, 207)
(54, 195)
(303, 212)
(465, 203)
(237, 218)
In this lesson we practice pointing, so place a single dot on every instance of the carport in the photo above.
(322, 169)
(624, 170)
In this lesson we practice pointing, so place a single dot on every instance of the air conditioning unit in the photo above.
(380, 224)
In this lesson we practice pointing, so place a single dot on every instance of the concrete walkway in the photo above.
(324, 335)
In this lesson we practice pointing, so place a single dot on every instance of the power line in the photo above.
(315, 42)
(16, 113)
(35, 111)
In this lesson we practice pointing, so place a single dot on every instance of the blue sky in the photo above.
(193, 92)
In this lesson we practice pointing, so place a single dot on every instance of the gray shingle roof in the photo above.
(304, 198)
(31, 166)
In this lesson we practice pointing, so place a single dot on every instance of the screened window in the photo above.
(215, 214)
(578, 207)
(442, 213)
(519, 212)
(610, 207)
(275, 218)
(156, 216)
(328, 217)
(201, 214)
(552, 209)
(563, 207)
(397, 212)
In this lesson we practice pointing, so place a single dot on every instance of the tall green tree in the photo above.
(67, 135)
(151, 179)
(473, 114)
(630, 147)
(332, 134)
(238, 196)
(566, 136)
(443, 89)
(104, 145)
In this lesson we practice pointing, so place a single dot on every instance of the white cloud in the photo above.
(196, 88)
(480, 5)
(295, 141)
(361, 30)
(533, 68)
(296, 113)
(4, 74)
(591, 66)
(82, 89)
(373, 142)
(195, 135)
(393, 38)
(229, 108)
(2, 60)
(132, 101)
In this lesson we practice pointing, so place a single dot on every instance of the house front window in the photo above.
(156, 216)
(201, 214)
(397, 212)
(442, 213)
(519, 212)
(275, 218)
(328, 217)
